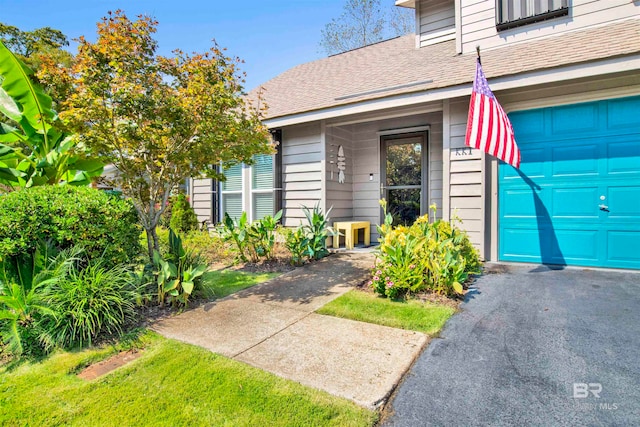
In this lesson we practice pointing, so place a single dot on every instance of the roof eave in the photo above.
(406, 3)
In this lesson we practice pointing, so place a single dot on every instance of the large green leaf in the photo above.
(9, 134)
(35, 104)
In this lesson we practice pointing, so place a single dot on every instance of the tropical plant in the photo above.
(262, 235)
(179, 275)
(296, 242)
(33, 151)
(317, 231)
(23, 309)
(237, 231)
(20, 314)
(159, 120)
(106, 226)
(92, 301)
(183, 217)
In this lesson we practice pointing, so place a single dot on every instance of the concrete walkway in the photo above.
(273, 326)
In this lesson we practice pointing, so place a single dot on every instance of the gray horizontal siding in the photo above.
(436, 21)
(302, 170)
(478, 20)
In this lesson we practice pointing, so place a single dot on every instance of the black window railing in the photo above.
(514, 13)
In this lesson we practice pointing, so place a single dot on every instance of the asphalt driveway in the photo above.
(532, 346)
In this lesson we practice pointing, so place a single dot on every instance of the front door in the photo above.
(404, 176)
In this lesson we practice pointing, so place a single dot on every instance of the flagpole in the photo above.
(478, 50)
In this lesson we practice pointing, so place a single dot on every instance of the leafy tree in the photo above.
(30, 43)
(364, 22)
(157, 119)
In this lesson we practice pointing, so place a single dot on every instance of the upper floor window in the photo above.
(514, 13)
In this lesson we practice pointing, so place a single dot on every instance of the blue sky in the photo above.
(270, 35)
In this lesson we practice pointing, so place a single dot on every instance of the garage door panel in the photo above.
(530, 126)
(574, 119)
(534, 168)
(622, 113)
(623, 248)
(576, 160)
(521, 244)
(624, 156)
(519, 203)
(588, 157)
(575, 203)
(575, 245)
(624, 202)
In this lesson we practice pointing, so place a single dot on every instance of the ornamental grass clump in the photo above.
(427, 256)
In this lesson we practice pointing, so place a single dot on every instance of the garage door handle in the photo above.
(604, 208)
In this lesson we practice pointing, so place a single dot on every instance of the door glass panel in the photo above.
(404, 164)
(403, 182)
(404, 205)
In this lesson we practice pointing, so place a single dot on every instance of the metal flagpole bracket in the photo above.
(478, 51)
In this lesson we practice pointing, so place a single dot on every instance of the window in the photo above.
(250, 188)
(514, 13)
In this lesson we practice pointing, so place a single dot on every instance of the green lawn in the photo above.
(172, 384)
(220, 283)
(366, 307)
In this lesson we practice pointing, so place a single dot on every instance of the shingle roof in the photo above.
(396, 67)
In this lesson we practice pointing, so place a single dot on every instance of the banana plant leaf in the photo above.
(22, 100)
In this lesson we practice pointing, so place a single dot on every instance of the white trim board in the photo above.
(571, 72)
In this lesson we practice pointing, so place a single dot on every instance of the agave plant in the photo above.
(33, 151)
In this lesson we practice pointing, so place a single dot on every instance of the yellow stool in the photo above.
(351, 233)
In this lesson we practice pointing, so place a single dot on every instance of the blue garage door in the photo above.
(576, 199)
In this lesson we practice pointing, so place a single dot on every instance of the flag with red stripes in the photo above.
(488, 127)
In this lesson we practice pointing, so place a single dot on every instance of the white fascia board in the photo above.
(571, 72)
(406, 3)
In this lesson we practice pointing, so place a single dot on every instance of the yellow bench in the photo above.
(351, 233)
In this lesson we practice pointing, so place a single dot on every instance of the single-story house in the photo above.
(388, 121)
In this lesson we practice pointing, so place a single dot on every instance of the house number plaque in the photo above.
(464, 151)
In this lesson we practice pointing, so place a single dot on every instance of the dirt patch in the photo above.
(99, 369)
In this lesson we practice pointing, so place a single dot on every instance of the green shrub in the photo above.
(431, 256)
(91, 302)
(212, 248)
(106, 226)
(183, 217)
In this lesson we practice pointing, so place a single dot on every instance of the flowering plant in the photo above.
(428, 255)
